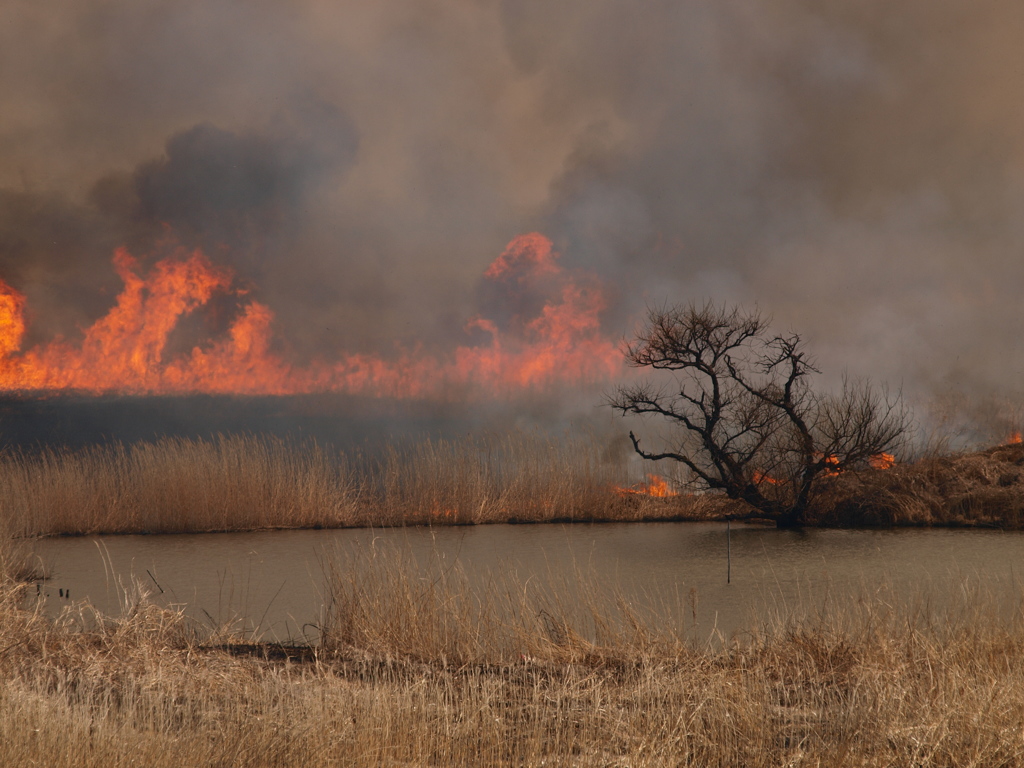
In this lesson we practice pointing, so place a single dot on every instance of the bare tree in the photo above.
(749, 423)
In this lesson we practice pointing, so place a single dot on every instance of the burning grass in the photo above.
(985, 488)
(419, 667)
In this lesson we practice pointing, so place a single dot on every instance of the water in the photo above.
(271, 585)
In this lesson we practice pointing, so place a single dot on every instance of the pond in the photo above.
(272, 585)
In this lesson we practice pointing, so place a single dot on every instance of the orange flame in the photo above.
(126, 350)
(12, 320)
(1013, 439)
(760, 477)
(655, 486)
(831, 464)
(882, 461)
(832, 469)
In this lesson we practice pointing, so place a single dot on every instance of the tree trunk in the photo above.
(791, 518)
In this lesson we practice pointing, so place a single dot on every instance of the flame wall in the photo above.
(127, 351)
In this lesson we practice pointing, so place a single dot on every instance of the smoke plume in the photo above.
(854, 168)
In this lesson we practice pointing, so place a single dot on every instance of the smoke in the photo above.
(215, 185)
(855, 169)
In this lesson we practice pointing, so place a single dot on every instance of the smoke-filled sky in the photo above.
(855, 168)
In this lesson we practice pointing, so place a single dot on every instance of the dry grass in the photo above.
(985, 488)
(422, 671)
(386, 604)
(252, 483)
(175, 485)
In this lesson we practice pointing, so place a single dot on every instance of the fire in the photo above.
(12, 320)
(526, 256)
(882, 461)
(832, 468)
(1013, 439)
(655, 486)
(760, 477)
(126, 351)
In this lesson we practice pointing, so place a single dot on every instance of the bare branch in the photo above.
(751, 425)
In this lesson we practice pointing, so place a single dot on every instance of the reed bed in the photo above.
(418, 667)
(175, 485)
(245, 482)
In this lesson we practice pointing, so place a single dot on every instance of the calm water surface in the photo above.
(272, 584)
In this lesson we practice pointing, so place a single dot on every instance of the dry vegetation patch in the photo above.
(245, 482)
(432, 671)
(985, 488)
(236, 483)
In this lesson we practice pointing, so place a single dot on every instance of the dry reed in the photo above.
(175, 485)
(250, 483)
(236, 483)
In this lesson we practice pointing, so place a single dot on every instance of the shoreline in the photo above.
(251, 483)
(752, 522)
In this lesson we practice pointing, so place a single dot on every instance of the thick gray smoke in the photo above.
(855, 168)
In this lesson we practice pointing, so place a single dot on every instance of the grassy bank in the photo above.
(417, 671)
(247, 483)
(982, 488)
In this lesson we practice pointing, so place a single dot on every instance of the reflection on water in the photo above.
(273, 584)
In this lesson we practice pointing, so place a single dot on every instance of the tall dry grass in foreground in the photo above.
(247, 482)
(418, 669)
